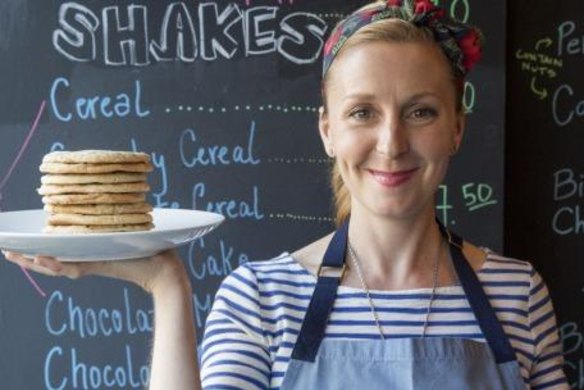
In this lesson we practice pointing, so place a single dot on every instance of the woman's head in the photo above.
(380, 32)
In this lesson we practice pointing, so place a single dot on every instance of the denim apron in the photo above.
(444, 363)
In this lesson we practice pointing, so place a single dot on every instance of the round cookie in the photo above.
(96, 157)
(81, 219)
(61, 168)
(99, 209)
(53, 189)
(106, 178)
(97, 229)
(68, 199)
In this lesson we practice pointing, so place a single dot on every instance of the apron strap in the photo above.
(479, 303)
(323, 298)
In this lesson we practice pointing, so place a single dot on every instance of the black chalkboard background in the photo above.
(544, 168)
(260, 102)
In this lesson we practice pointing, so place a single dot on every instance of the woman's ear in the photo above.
(459, 131)
(324, 131)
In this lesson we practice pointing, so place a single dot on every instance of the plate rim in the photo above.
(40, 235)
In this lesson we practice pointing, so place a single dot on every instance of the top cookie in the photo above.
(96, 156)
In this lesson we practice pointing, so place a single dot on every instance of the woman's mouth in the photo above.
(392, 178)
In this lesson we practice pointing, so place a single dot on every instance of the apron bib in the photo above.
(442, 363)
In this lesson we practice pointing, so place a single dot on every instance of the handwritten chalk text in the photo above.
(192, 154)
(568, 186)
(230, 208)
(572, 340)
(567, 43)
(66, 370)
(63, 315)
(202, 266)
(575, 107)
(99, 35)
(93, 107)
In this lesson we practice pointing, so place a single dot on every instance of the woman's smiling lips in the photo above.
(394, 178)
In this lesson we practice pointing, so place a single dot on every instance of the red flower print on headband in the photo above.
(394, 3)
(423, 6)
(333, 39)
(426, 6)
(471, 49)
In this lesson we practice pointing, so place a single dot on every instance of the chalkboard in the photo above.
(224, 95)
(544, 161)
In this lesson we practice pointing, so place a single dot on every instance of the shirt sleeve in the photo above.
(235, 351)
(546, 371)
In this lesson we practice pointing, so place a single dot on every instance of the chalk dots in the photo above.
(300, 218)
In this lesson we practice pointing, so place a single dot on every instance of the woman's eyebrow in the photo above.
(359, 96)
(422, 95)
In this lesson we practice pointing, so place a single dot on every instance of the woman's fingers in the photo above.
(160, 271)
(37, 265)
(46, 265)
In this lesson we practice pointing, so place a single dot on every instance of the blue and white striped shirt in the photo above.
(259, 309)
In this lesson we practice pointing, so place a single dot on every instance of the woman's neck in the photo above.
(397, 253)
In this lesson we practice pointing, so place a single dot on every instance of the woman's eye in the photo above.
(361, 114)
(423, 113)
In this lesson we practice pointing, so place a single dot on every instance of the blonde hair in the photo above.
(392, 30)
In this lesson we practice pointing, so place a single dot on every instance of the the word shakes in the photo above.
(120, 104)
(194, 153)
(569, 187)
(132, 35)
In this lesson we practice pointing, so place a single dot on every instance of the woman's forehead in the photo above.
(379, 67)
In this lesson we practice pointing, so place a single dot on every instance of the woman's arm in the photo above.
(174, 356)
(546, 372)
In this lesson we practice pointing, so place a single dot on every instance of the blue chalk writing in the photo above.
(93, 107)
(159, 162)
(81, 374)
(202, 308)
(219, 265)
(64, 315)
(49, 384)
(572, 340)
(192, 155)
(57, 146)
(230, 208)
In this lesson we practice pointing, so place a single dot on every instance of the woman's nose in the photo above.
(393, 139)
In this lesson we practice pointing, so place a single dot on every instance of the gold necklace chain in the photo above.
(357, 264)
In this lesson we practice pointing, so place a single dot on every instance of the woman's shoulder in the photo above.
(282, 269)
(496, 262)
(310, 256)
(485, 260)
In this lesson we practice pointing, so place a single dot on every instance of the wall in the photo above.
(224, 97)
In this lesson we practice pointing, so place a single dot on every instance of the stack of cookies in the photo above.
(96, 191)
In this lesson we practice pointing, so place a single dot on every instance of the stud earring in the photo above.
(453, 149)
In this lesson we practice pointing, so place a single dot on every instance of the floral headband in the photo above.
(459, 41)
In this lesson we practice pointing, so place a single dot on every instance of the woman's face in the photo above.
(392, 125)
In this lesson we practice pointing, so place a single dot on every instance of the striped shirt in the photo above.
(259, 308)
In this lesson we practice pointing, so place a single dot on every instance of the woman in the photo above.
(392, 299)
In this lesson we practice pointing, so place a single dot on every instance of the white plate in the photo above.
(21, 231)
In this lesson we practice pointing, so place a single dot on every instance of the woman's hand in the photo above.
(152, 274)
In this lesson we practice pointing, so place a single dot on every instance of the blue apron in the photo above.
(446, 363)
